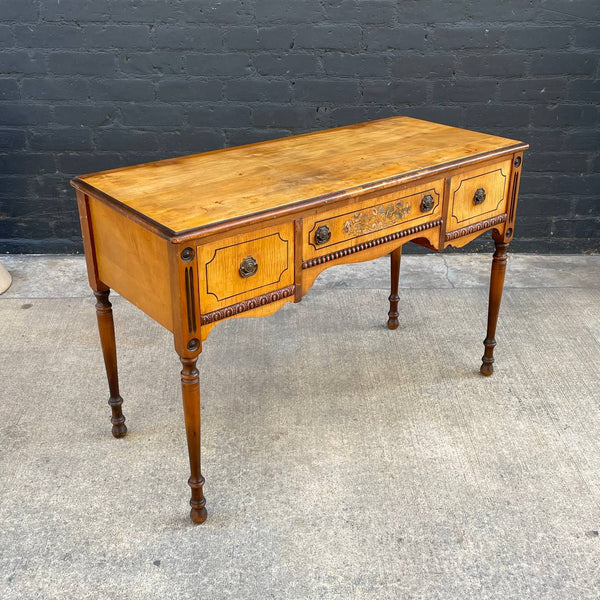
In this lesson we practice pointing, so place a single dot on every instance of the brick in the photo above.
(565, 115)
(411, 37)
(555, 10)
(77, 10)
(225, 116)
(394, 92)
(577, 185)
(88, 115)
(559, 63)
(64, 138)
(81, 63)
(287, 64)
(559, 162)
(6, 36)
(238, 137)
(532, 90)
(55, 89)
(150, 115)
(584, 90)
(252, 90)
(447, 115)
(50, 35)
(486, 116)
(116, 36)
(12, 187)
(344, 65)
(533, 206)
(24, 62)
(192, 142)
(77, 163)
(12, 139)
(584, 207)
(582, 139)
(455, 38)
(533, 37)
(587, 37)
(24, 114)
(127, 90)
(465, 91)
(148, 11)
(9, 90)
(361, 11)
(340, 92)
(146, 63)
(219, 65)
(276, 38)
(223, 11)
(193, 38)
(493, 65)
(125, 139)
(28, 163)
(186, 90)
(19, 10)
(241, 38)
(292, 117)
(299, 11)
(423, 66)
(330, 37)
(586, 228)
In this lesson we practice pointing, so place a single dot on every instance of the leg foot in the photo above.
(106, 328)
(393, 314)
(119, 429)
(496, 286)
(190, 389)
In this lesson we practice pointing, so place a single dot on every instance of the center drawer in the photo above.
(235, 269)
(371, 218)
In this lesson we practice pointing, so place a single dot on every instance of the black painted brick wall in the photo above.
(87, 85)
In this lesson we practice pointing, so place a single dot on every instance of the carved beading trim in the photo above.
(307, 264)
(452, 235)
(240, 307)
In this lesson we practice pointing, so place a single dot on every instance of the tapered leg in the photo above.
(496, 285)
(190, 389)
(109, 350)
(396, 255)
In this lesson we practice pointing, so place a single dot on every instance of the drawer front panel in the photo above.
(245, 266)
(478, 194)
(370, 219)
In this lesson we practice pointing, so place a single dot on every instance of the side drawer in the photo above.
(373, 218)
(478, 194)
(235, 269)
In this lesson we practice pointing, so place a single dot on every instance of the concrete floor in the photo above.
(342, 460)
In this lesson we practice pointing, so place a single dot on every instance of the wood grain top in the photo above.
(201, 190)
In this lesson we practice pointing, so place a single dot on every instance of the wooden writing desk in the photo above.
(239, 232)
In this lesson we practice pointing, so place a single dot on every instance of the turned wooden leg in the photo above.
(496, 285)
(396, 255)
(190, 389)
(109, 350)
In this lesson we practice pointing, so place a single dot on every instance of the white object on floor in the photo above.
(5, 279)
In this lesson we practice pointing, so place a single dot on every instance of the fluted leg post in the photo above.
(106, 328)
(190, 389)
(393, 314)
(496, 286)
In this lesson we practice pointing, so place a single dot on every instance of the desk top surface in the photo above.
(201, 190)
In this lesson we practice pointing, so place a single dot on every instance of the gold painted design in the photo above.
(376, 218)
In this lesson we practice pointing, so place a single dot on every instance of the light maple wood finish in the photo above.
(176, 237)
(134, 261)
(493, 178)
(204, 189)
(219, 266)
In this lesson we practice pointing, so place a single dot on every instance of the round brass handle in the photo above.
(427, 203)
(248, 267)
(479, 196)
(322, 235)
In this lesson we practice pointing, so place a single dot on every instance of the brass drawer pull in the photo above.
(322, 235)
(479, 196)
(248, 267)
(427, 203)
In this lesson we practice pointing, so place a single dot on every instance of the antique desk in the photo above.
(239, 232)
